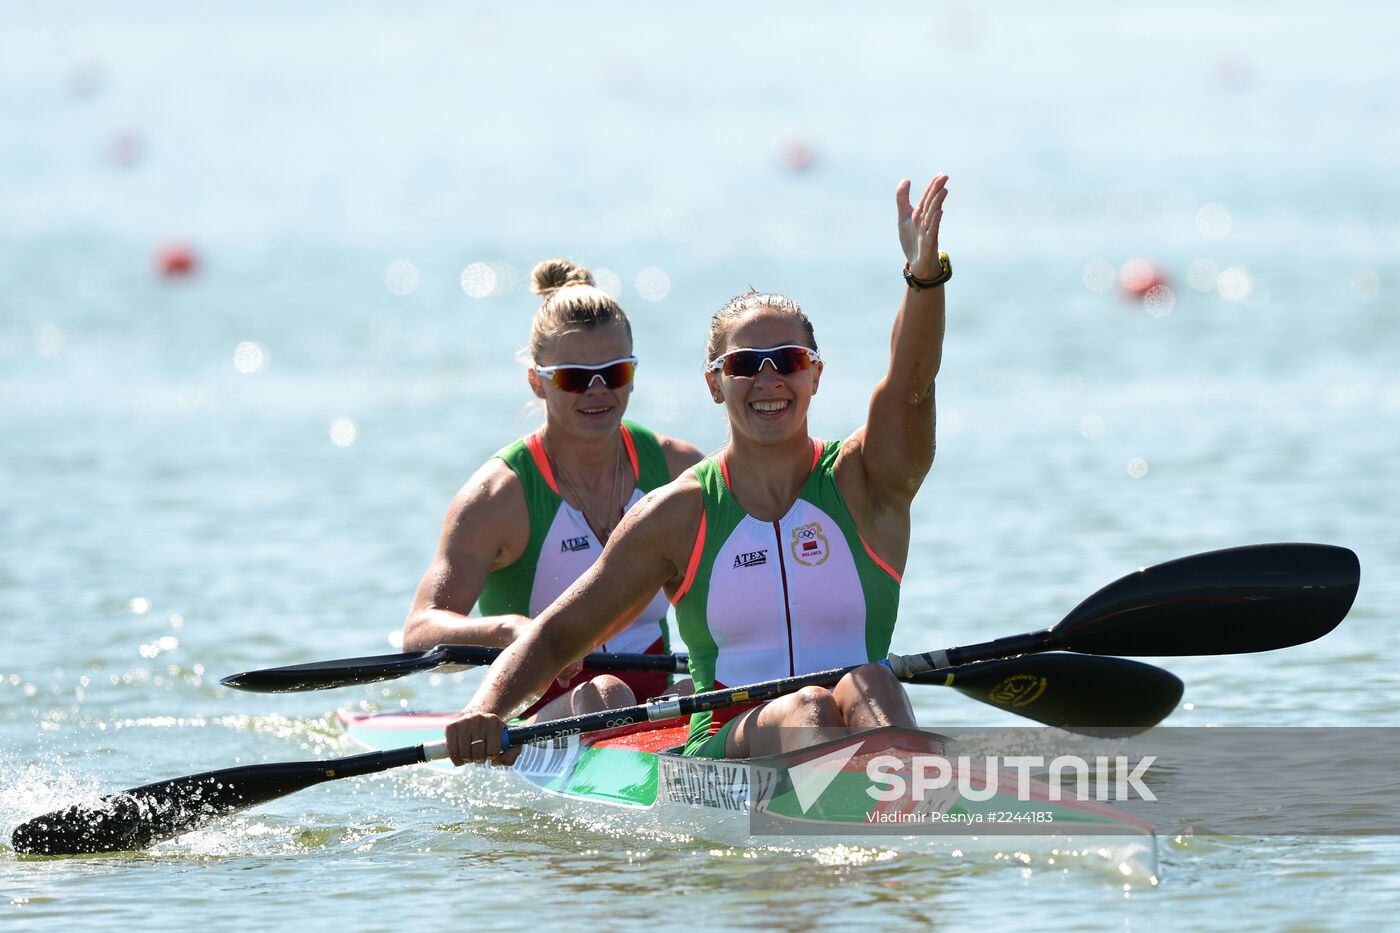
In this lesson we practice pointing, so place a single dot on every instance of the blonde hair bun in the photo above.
(570, 300)
(553, 274)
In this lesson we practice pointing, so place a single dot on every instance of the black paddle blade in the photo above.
(344, 672)
(1234, 601)
(1087, 695)
(142, 816)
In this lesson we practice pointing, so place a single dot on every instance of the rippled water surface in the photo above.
(248, 467)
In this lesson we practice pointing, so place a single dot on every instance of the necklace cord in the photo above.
(614, 508)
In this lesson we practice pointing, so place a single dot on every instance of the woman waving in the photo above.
(782, 553)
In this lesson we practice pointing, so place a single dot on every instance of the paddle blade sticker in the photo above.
(1079, 693)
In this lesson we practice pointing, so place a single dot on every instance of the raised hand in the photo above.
(918, 226)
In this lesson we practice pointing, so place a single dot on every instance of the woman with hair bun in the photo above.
(782, 553)
(536, 515)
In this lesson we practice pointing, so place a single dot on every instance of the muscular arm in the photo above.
(647, 551)
(486, 528)
(897, 442)
(883, 464)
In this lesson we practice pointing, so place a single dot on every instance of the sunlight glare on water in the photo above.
(401, 277)
(609, 282)
(1099, 276)
(478, 280)
(249, 357)
(343, 432)
(1214, 221)
(1235, 284)
(653, 284)
(177, 508)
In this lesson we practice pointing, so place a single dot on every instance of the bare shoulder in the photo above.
(488, 514)
(680, 455)
(492, 491)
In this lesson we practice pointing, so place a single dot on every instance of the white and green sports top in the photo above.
(763, 600)
(562, 545)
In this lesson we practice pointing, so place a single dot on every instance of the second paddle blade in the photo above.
(342, 672)
(1087, 695)
(1232, 601)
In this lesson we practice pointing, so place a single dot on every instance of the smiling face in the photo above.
(598, 410)
(767, 407)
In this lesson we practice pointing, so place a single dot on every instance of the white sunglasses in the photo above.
(577, 377)
(787, 359)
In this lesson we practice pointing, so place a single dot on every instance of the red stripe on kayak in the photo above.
(396, 721)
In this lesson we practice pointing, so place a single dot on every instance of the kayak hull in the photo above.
(637, 770)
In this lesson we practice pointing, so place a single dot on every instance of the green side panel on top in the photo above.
(652, 471)
(507, 591)
(881, 591)
(616, 775)
(722, 515)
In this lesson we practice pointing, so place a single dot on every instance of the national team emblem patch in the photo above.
(809, 546)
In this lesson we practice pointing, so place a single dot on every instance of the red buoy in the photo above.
(177, 261)
(1137, 277)
(798, 156)
(126, 149)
